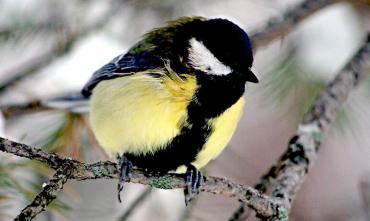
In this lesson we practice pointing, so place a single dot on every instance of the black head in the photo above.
(220, 47)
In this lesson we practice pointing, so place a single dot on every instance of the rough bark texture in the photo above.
(22, 150)
(274, 29)
(264, 205)
(47, 195)
(287, 175)
(303, 147)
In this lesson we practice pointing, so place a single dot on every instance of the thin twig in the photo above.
(47, 195)
(263, 205)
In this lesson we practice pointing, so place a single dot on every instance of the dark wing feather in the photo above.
(146, 54)
(120, 66)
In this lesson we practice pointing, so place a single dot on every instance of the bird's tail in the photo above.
(73, 103)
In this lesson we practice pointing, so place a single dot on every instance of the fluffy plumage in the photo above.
(175, 98)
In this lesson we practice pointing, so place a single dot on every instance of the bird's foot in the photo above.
(193, 181)
(125, 170)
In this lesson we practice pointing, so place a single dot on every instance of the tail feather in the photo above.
(72, 103)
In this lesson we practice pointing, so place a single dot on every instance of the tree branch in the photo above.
(279, 26)
(276, 28)
(287, 175)
(47, 195)
(263, 205)
(303, 147)
(23, 150)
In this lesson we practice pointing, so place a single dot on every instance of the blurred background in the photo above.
(50, 48)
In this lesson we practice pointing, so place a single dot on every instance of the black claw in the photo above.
(193, 180)
(125, 168)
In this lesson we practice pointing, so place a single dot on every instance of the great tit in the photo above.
(173, 101)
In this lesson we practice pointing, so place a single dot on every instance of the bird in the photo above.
(172, 102)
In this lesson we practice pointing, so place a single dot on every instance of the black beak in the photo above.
(251, 77)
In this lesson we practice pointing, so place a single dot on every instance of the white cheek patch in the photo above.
(202, 59)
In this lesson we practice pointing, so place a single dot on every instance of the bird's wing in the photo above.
(145, 55)
(123, 65)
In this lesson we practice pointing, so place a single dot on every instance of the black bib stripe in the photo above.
(211, 100)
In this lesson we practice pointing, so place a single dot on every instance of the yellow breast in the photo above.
(139, 113)
(224, 127)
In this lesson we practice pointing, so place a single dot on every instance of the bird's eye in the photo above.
(202, 59)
